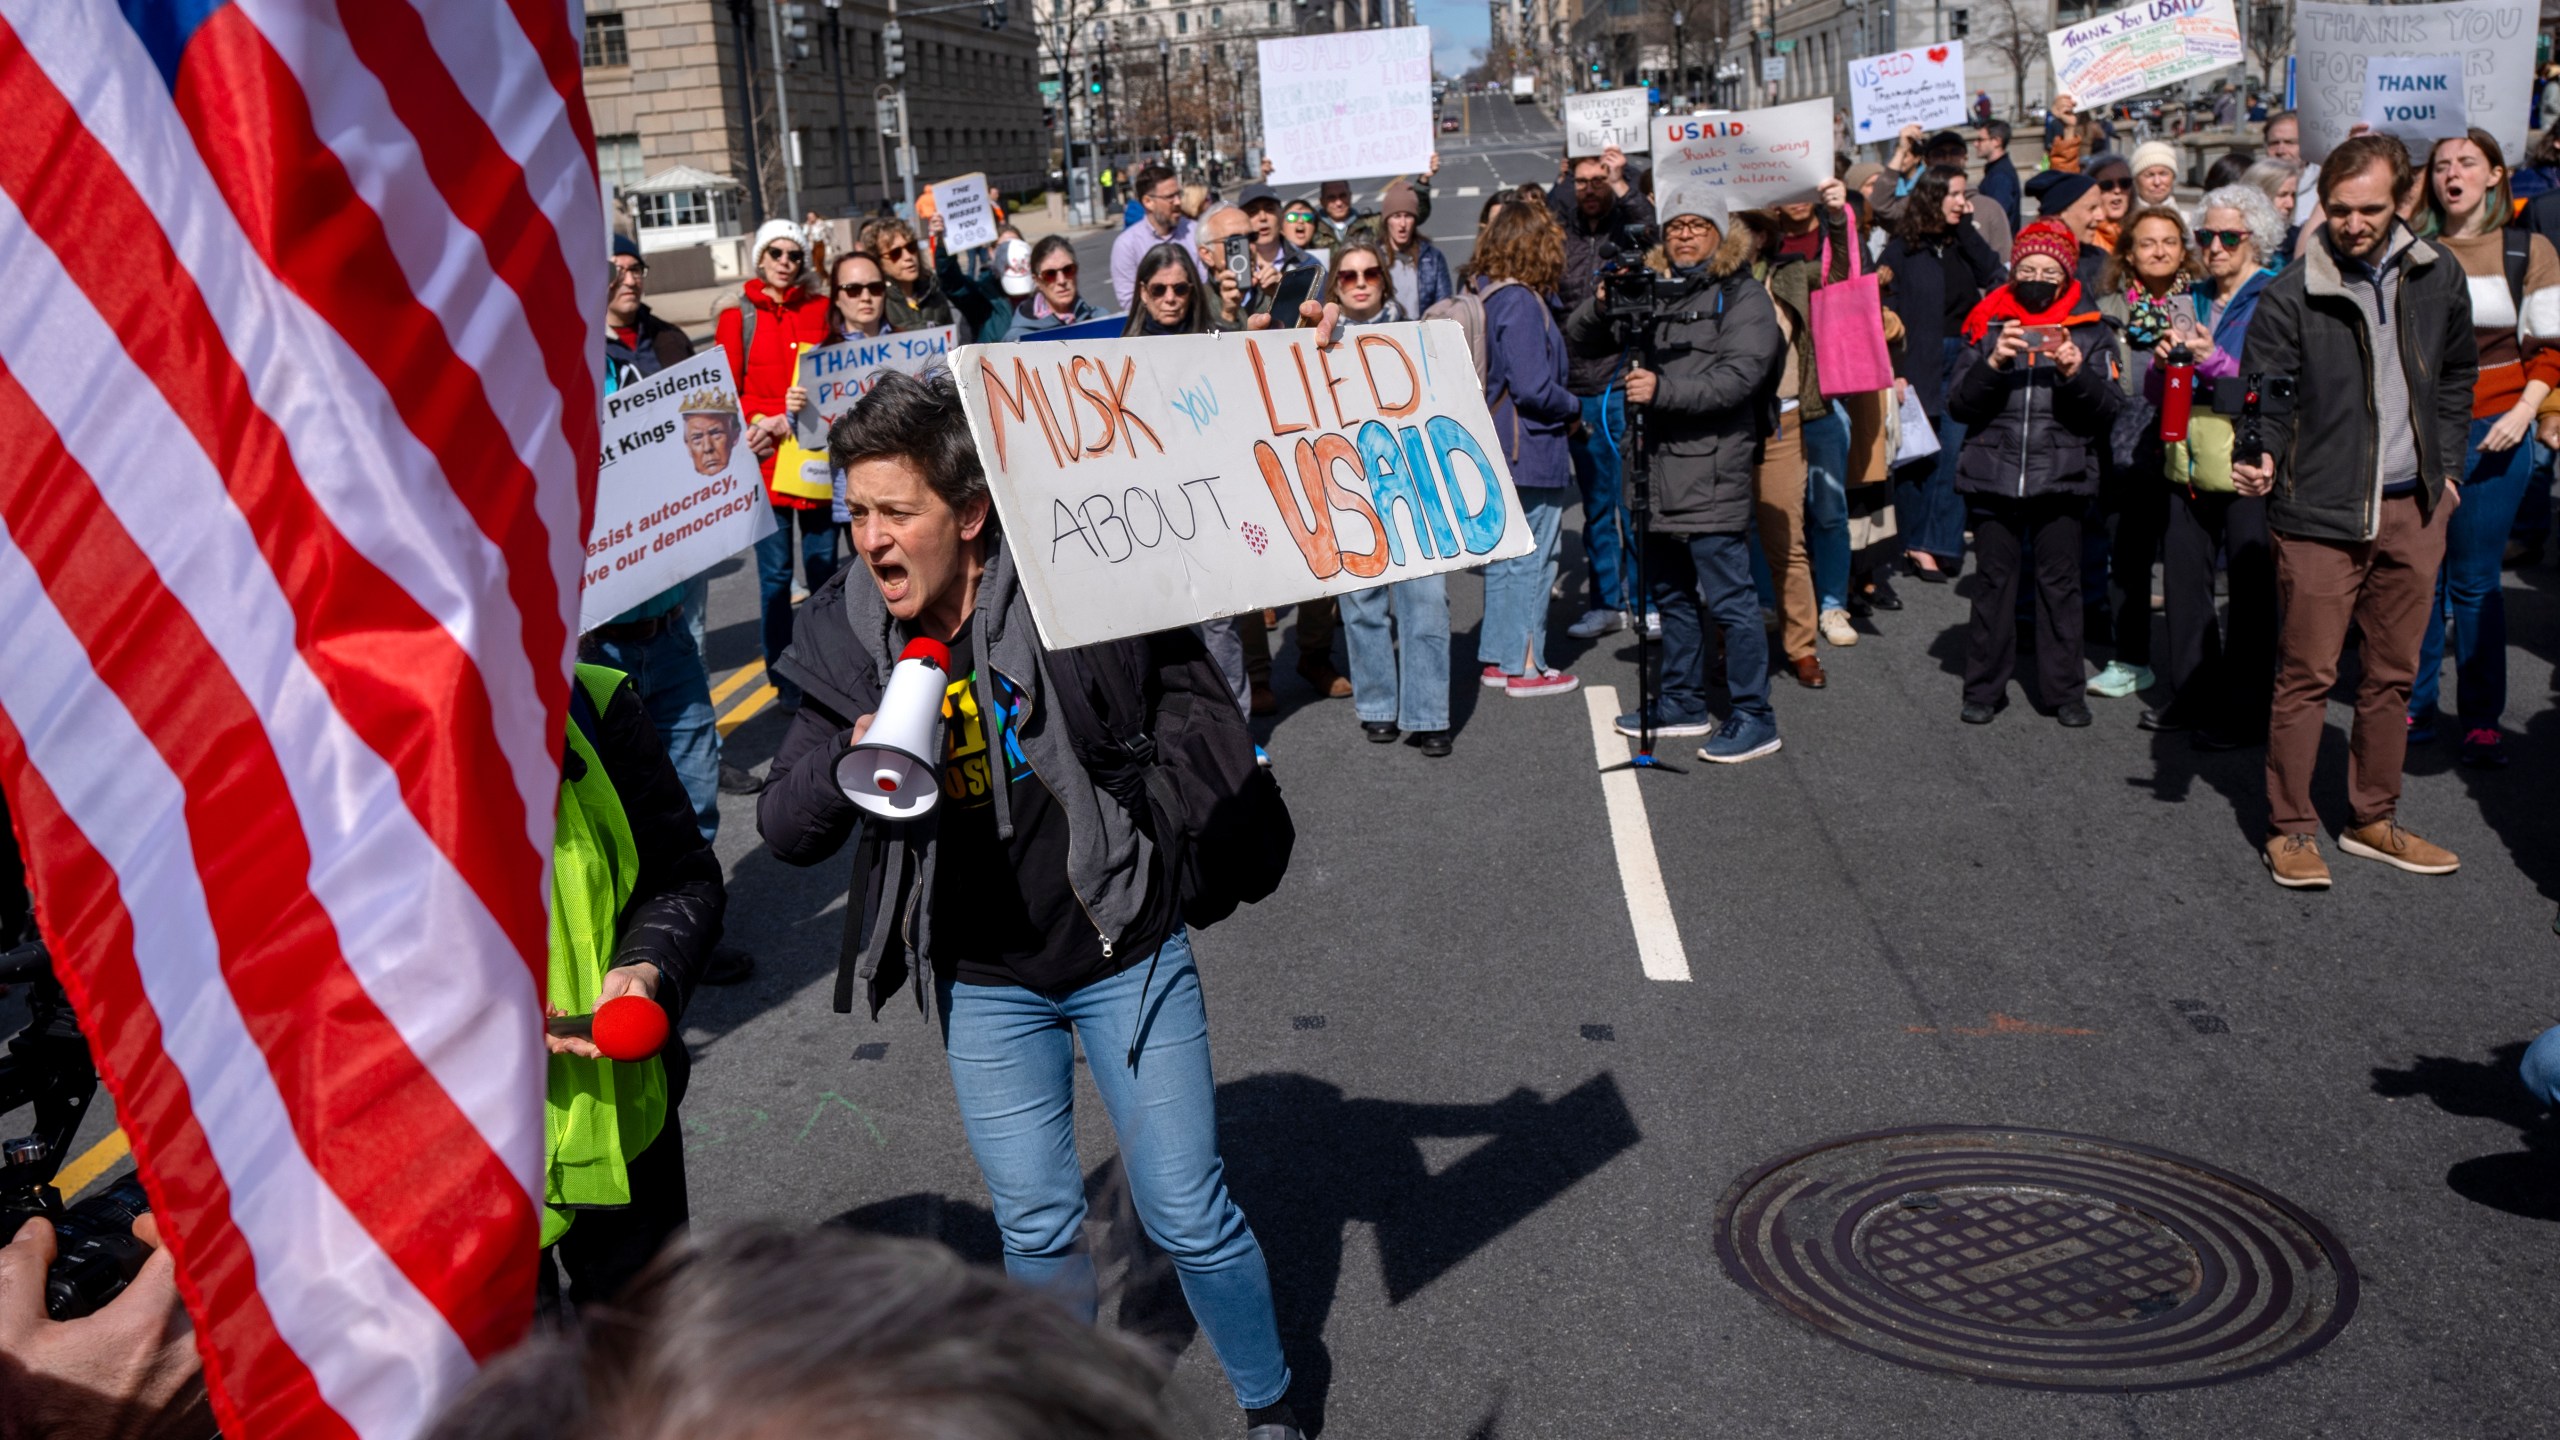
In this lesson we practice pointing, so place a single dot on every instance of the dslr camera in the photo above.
(48, 1068)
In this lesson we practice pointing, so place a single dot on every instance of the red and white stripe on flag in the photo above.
(297, 361)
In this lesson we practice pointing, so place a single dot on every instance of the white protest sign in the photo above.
(2420, 98)
(968, 216)
(2494, 38)
(1145, 484)
(1777, 156)
(1923, 87)
(679, 490)
(1594, 122)
(2142, 47)
(1350, 104)
(836, 376)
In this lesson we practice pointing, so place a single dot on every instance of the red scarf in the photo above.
(2002, 304)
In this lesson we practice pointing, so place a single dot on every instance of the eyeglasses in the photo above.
(1060, 272)
(2115, 187)
(1179, 289)
(1167, 198)
(863, 287)
(1689, 226)
(1367, 276)
(1589, 182)
(2231, 239)
(787, 254)
(632, 271)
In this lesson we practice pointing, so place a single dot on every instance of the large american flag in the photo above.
(299, 309)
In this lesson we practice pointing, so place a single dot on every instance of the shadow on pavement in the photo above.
(2520, 1182)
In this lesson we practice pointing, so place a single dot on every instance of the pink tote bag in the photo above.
(1848, 328)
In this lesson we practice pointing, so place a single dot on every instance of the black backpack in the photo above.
(1156, 726)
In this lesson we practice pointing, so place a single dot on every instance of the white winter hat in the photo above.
(1015, 258)
(773, 230)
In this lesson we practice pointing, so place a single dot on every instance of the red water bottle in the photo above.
(2177, 394)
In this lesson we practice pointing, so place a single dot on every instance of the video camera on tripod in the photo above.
(48, 1068)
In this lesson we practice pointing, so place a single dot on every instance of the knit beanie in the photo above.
(2152, 153)
(2047, 238)
(2058, 190)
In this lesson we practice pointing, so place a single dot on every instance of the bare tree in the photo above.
(2014, 30)
(1692, 33)
(2270, 36)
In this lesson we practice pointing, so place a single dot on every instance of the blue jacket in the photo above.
(1431, 282)
(1524, 385)
(2000, 187)
(992, 314)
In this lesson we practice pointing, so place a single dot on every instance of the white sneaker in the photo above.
(1596, 623)
(1837, 629)
(1653, 624)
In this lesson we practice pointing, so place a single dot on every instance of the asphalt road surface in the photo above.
(1483, 1149)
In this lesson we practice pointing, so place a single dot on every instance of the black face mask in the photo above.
(2036, 295)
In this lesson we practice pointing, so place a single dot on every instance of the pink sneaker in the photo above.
(1541, 682)
(1493, 678)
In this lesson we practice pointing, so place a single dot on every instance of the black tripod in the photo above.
(1639, 472)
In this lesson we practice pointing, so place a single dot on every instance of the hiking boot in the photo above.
(1740, 738)
(1837, 629)
(2385, 841)
(1596, 623)
(2483, 749)
(1541, 681)
(2294, 861)
(2119, 680)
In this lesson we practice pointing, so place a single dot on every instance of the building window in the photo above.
(1271, 13)
(1182, 23)
(1217, 17)
(617, 162)
(605, 42)
(1959, 24)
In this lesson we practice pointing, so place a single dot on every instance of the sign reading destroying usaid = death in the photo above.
(1353, 103)
(2142, 47)
(2493, 40)
(1594, 122)
(1777, 156)
(679, 491)
(1923, 87)
(1149, 483)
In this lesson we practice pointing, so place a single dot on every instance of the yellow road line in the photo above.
(75, 1177)
(735, 680)
(748, 709)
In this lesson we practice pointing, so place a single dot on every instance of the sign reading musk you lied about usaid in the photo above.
(679, 491)
(1144, 484)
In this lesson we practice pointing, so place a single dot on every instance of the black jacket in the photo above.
(1999, 185)
(661, 345)
(1933, 288)
(1584, 245)
(1716, 400)
(2030, 432)
(673, 918)
(2328, 480)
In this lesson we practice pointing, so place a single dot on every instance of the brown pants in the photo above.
(2385, 586)
(1777, 504)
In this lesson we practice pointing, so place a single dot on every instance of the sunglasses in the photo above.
(2231, 239)
(863, 287)
(2115, 187)
(1059, 272)
(1177, 290)
(898, 254)
(1299, 217)
(1369, 276)
(787, 254)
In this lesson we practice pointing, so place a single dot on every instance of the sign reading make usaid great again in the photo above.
(1149, 483)
(679, 490)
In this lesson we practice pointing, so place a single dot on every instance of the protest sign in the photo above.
(1923, 87)
(1099, 327)
(2493, 38)
(1348, 104)
(968, 216)
(1594, 122)
(2420, 98)
(836, 376)
(1776, 156)
(2142, 47)
(1151, 483)
(678, 491)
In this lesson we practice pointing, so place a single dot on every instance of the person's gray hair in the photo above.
(2266, 227)
(768, 1330)
(2269, 175)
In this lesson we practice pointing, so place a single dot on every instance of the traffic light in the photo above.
(795, 28)
(995, 14)
(893, 43)
(1093, 86)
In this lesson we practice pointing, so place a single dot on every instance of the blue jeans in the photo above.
(667, 672)
(1403, 677)
(1826, 505)
(2468, 594)
(773, 577)
(1012, 1057)
(1679, 568)
(1514, 635)
(1927, 511)
(1600, 473)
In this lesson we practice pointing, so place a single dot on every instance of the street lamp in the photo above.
(1164, 81)
(1679, 32)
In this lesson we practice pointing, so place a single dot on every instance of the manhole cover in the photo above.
(2034, 1258)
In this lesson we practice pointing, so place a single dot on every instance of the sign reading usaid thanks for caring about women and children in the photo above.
(1151, 483)
(678, 491)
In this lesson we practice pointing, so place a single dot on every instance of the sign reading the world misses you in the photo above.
(679, 491)
(1151, 483)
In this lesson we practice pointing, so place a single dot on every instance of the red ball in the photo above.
(630, 1027)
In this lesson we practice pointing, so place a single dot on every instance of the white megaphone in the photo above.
(894, 771)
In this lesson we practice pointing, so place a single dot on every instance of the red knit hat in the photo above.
(2047, 238)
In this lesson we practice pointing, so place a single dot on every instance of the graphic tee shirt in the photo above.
(1004, 914)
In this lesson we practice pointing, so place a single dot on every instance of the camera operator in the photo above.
(129, 1370)
(2371, 463)
(1707, 354)
(1601, 214)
